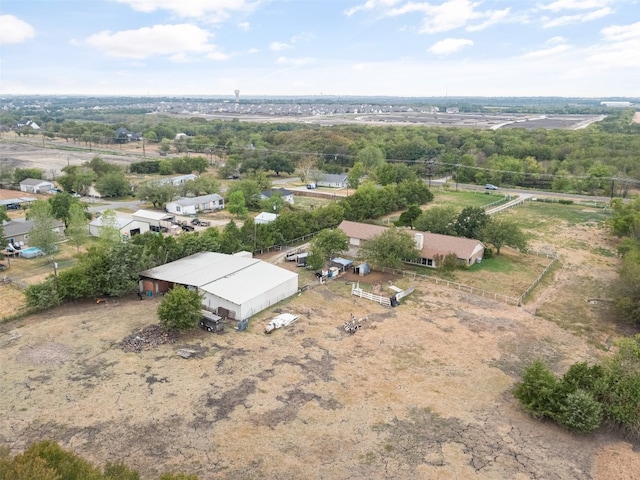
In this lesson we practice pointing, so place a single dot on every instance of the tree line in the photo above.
(581, 161)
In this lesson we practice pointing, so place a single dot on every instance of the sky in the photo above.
(399, 48)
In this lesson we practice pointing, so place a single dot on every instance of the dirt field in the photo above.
(420, 391)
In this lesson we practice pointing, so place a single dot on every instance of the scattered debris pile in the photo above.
(149, 337)
(353, 325)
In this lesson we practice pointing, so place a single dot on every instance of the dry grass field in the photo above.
(420, 391)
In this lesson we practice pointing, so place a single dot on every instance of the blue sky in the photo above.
(575, 48)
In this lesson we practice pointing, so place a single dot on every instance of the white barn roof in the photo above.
(248, 283)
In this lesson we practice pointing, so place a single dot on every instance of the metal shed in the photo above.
(341, 263)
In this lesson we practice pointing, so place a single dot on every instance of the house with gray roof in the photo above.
(17, 232)
(286, 195)
(193, 205)
(35, 185)
(333, 180)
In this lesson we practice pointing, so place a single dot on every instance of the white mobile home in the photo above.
(193, 205)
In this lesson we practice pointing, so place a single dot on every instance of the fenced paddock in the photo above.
(479, 292)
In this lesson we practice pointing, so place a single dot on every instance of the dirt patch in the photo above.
(49, 354)
(147, 338)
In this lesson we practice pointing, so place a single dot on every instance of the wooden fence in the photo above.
(358, 292)
(508, 299)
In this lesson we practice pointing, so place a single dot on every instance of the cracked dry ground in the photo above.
(421, 391)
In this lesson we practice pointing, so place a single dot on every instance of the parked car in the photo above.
(312, 185)
(489, 186)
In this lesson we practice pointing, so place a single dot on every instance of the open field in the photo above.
(420, 391)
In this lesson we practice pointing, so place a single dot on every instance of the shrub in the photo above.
(43, 295)
(538, 390)
(180, 309)
(580, 412)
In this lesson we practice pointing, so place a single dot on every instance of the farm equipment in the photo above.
(282, 320)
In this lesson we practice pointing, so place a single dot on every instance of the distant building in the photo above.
(286, 195)
(176, 181)
(616, 104)
(334, 180)
(193, 205)
(17, 232)
(265, 217)
(127, 226)
(34, 185)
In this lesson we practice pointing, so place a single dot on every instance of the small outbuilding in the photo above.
(34, 185)
(265, 217)
(157, 221)
(342, 263)
(127, 226)
(362, 269)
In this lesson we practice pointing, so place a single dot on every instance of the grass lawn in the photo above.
(462, 199)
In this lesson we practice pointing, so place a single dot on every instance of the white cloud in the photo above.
(451, 14)
(244, 26)
(450, 45)
(560, 5)
(547, 52)
(620, 50)
(580, 18)
(279, 46)
(622, 32)
(172, 40)
(295, 61)
(214, 10)
(14, 30)
(370, 5)
(556, 40)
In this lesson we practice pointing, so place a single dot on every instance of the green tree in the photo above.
(355, 174)
(409, 216)
(77, 230)
(113, 184)
(538, 391)
(180, 309)
(500, 231)
(371, 157)
(20, 174)
(330, 242)
(3, 218)
(119, 471)
(471, 222)
(438, 219)
(232, 240)
(43, 235)
(43, 295)
(64, 462)
(389, 249)
(236, 204)
(164, 146)
(109, 231)
(157, 193)
(279, 163)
